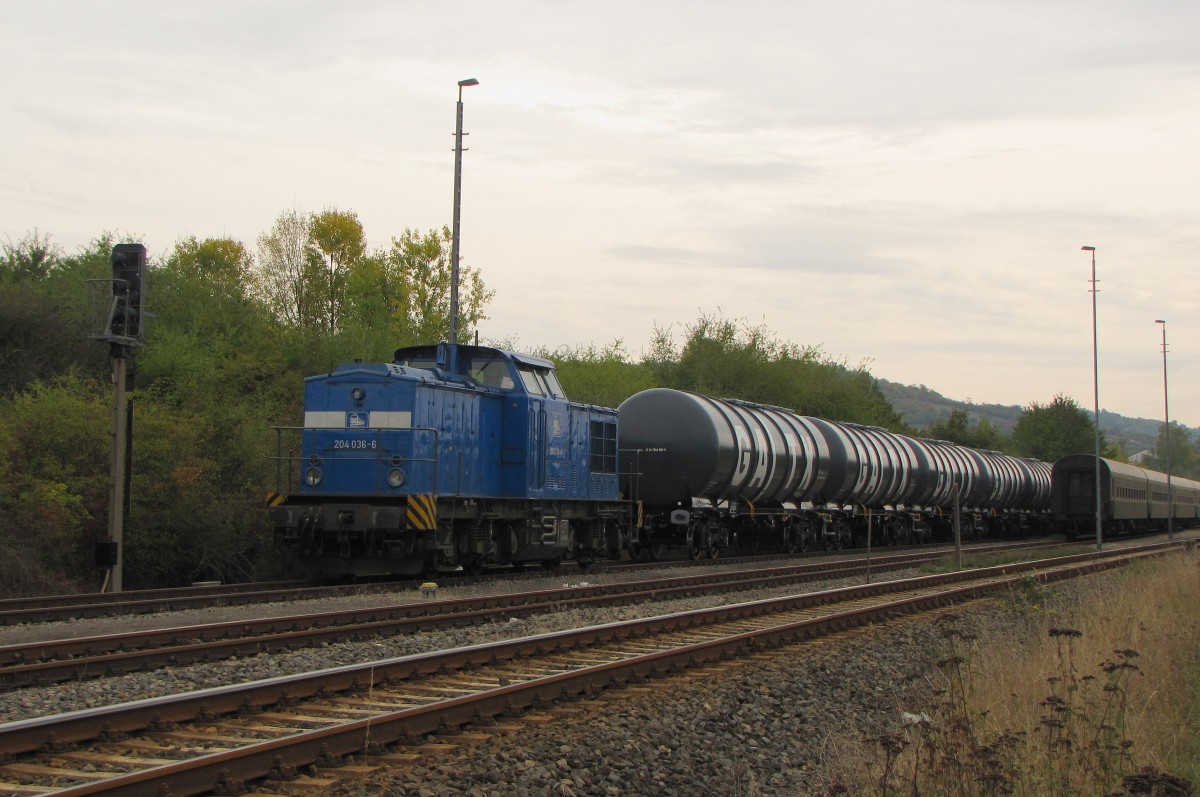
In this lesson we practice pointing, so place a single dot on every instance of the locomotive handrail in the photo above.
(378, 454)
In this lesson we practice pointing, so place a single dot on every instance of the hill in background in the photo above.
(921, 406)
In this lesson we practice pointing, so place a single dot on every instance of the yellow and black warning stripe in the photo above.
(275, 499)
(422, 512)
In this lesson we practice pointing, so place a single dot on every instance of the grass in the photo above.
(1100, 698)
(946, 564)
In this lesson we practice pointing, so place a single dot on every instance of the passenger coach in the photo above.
(1132, 499)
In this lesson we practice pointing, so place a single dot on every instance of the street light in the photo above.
(458, 151)
(1096, 392)
(1167, 437)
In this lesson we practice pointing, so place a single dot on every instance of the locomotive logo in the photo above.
(356, 420)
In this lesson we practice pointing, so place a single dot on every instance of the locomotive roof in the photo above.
(429, 351)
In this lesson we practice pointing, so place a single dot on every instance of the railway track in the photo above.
(44, 662)
(51, 608)
(220, 740)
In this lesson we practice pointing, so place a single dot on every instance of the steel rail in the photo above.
(15, 611)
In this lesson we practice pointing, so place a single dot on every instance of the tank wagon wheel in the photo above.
(711, 537)
(695, 541)
(783, 543)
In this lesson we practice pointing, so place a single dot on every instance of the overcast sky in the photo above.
(903, 184)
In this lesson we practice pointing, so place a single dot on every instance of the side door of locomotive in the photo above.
(549, 431)
(536, 462)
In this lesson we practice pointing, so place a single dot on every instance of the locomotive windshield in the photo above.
(541, 382)
(486, 367)
(488, 370)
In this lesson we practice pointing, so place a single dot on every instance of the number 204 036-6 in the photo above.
(351, 445)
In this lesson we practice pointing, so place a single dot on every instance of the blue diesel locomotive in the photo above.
(449, 456)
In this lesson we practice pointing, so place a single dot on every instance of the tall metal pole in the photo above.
(1096, 392)
(116, 507)
(1167, 437)
(458, 151)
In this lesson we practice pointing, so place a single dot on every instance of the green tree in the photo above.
(199, 476)
(221, 267)
(207, 327)
(958, 429)
(284, 277)
(31, 258)
(729, 359)
(1050, 431)
(53, 497)
(406, 291)
(46, 313)
(1184, 453)
(601, 376)
(337, 245)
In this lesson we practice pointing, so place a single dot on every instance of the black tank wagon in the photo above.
(711, 474)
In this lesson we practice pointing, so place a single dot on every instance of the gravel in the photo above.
(781, 723)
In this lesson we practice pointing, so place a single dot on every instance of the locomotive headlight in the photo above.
(312, 477)
(357, 394)
(395, 477)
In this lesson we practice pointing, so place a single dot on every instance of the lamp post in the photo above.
(458, 151)
(1167, 437)
(1096, 392)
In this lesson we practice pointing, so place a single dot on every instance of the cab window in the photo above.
(553, 383)
(491, 373)
(533, 385)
